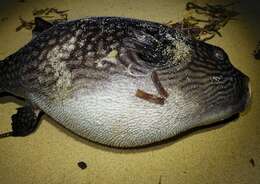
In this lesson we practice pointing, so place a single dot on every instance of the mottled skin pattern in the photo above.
(85, 73)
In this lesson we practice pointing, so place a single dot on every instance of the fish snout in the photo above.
(248, 91)
(244, 91)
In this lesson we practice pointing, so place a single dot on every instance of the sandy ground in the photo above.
(220, 154)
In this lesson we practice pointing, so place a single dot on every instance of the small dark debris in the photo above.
(82, 165)
(21, 1)
(252, 162)
(4, 19)
(257, 51)
(160, 180)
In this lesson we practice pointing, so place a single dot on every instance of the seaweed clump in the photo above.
(50, 14)
(214, 18)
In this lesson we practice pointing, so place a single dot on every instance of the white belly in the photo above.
(111, 114)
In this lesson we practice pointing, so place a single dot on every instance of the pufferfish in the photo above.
(121, 82)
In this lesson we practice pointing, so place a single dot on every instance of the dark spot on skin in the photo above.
(82, 165)
(252, 162)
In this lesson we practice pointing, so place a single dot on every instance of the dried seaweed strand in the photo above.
(7, 134)
(158, 85)
(49, 14)
(216, 17)
(47, 11)
(25, 24)
(149, 97)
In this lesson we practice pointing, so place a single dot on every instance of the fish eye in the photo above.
(219, 54)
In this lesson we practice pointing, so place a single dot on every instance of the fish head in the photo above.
(226, 90)
(204, 75)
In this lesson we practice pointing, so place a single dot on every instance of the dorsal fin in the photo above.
(40, 26)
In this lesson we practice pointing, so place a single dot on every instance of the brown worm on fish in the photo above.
(149, 97)
(157, 83)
